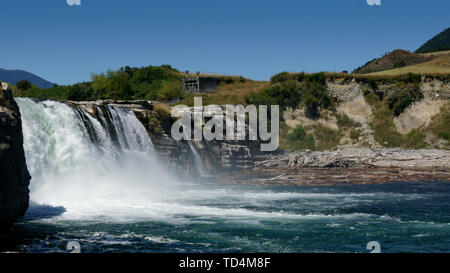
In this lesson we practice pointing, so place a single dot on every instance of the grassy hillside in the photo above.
(441, 64)
(393, 60)
(233, 90)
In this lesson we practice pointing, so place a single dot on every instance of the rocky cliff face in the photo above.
(344, 90)
(14, 176)
(215, 156)
(225, 156)
(366, 101)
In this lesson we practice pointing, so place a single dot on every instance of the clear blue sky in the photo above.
(253, 38)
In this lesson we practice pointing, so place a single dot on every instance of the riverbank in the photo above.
(347, 166)
(334, 176)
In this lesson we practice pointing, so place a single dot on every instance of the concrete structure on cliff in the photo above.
(199, 84)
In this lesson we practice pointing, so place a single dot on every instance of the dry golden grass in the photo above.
(234, 93)
(436, 54)
(212, 75)
(440, 65)
(162, 107)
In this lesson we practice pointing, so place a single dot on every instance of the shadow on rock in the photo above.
(37, 211)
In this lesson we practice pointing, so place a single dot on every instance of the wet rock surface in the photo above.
(217, 156)
(14, 175)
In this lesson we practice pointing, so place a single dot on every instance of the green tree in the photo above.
(171, 90)
(24, 85)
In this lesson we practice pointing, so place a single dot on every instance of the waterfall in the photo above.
(74, 157)
(198, 161)
(131, 133)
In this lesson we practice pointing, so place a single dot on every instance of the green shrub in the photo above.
(440, 124)
(371, 98)
(309, 142)
(400, 100)
(355, 134)
(300, 77)
(311, 106)
(373, 83)
(343, 121)
(170, 90)
(112, 85)
(299, 133)
(399, 64)
(326, 138)
(289, 90)
(286, 94)
(384, 129)
(280, 77)
(79, 92)
(414, 140)
(412, 78)
(318, 78)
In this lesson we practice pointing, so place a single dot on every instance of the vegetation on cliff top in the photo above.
(160, 83)
(292, 90)
(288, 90)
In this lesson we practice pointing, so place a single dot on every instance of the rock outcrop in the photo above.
(14, 175)
(345, 89)
(216, 156)
(225, 156)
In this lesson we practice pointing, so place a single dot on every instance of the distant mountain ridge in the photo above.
(15, 76)
(440, 42)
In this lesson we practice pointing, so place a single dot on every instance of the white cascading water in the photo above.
(67, 167)
(118, 198)
(117, 177)
(198, 161)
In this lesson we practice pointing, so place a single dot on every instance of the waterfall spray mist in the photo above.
(68, 166)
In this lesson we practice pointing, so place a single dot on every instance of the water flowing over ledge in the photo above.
(100, 176)
(73, 156)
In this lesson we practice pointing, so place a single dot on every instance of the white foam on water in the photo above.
(67, 169)
(124, 182)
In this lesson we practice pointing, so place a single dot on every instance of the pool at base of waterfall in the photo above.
(97, 182)
(402, 217)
